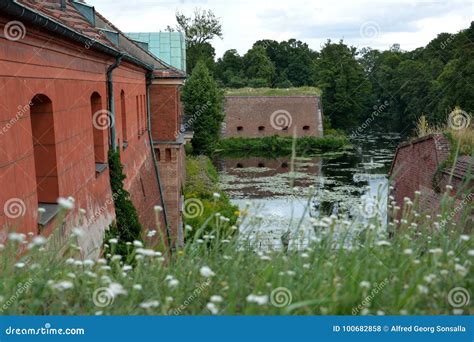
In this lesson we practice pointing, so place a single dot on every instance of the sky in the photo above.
(378, 24)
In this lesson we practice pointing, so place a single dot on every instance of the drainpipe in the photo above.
(155, 162)
(110, 98)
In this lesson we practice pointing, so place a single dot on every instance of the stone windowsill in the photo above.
(124, 145)
(99, 168)
(51, 210)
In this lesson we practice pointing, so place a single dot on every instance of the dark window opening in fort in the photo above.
(44, 149)
(240, 128)
(305, 128)
(158, 154)
(261, 165)
(138, 116)
(123, 113)
(284, 164)
(239, 165)
(99, 134)
(168, 154)
(285, 128)
(261, 128)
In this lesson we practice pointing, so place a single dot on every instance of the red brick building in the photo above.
(416, 167)
(259, 116)
(72, 86)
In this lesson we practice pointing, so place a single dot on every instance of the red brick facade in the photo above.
(414, 168)
(259, 116)
(51, 138)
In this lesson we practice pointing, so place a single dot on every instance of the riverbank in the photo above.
(276, 145)
(203, 196)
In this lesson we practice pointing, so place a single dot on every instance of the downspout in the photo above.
(110, 99)
(155, 162)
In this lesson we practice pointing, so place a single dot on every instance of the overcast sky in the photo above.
(360, 23)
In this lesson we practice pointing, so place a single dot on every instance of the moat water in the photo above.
(282, 194)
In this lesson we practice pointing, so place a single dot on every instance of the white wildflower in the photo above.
(260, 300)
(78, 232)
(173, 283)
(113, 241)
(465, 237)
(116, 289)
(364, 284)
(66, 203)
(137, 243)
(216, 195)
(20, 265)
(137, 287)
(63, 285)
(18, 237)
(145, 252)
(212, 308)
(422, 289)
(216, 299)
(151, 233)
(436, 251)
(149, 304)
(206, 272)
(382, 243)
(408, 251)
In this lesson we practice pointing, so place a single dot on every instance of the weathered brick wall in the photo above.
(68, 74)
(165, 111)
(171, 159)
(258, 116)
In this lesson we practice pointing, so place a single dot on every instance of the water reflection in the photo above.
(352, 186)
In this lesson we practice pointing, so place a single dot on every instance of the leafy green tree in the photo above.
(257, 65)
(203, 104)
(346, 91)
(199, 31)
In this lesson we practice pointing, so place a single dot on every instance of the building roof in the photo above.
(79, 21)
(167, 46)
(464, 164)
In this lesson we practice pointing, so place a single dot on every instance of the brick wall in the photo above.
(257, 116)
(68, 75)
(165, 111)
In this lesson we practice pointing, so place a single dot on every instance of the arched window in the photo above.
(240, 128)
(99, 130)
(123, 113)
(261, 128)
(305, 128)
(44, 149)
(168, 154)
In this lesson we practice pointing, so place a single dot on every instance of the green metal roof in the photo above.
(170, 47)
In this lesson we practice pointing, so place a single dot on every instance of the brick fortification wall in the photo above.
(47, 145)
(414, 165)
(259, 116)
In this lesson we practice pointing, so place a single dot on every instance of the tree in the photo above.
(229, 68)
(346, 90)
(199, 31)
(257, 65)
(203, 104)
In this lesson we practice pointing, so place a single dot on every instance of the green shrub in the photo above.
(202, 192)
(126, 226)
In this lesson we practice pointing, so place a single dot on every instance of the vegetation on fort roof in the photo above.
(277, 145)
(126, 225)
(203, 196)
(425, 268)
(300, 91)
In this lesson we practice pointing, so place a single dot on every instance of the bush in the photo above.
(126, 226)
(204, 199)
(277, 145)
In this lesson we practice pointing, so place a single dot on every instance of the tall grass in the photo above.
(346, 268)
